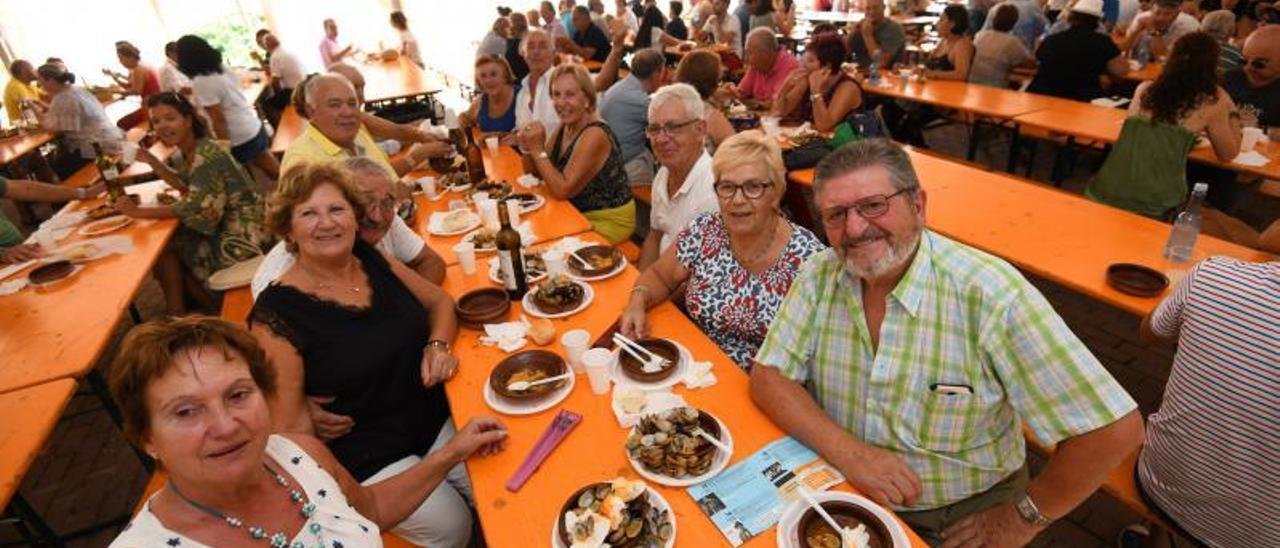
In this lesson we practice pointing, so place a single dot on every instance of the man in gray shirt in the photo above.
(625, 107)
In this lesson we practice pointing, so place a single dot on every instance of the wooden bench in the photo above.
(159, 479)
(1120, 483)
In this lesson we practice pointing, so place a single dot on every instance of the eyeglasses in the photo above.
(868, 208)
(751, 189)
(387, 203)
(668, 129)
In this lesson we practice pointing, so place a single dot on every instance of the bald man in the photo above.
(767, 68)
(1255, 85)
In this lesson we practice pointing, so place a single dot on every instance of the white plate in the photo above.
(104, 226)
(786, 528)
(12, 269)
(436, 230)
(588, 296)
(682, 368)
(507, 407)
(539, 201)
(655, 500)
(718, 464)
(493, 273)
(471, 236)
(622, 265)
(236, 275)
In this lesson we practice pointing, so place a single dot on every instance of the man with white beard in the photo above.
(910, 361)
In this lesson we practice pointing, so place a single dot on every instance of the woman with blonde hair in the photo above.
(736, 264)
(581, 161)
(494, 110)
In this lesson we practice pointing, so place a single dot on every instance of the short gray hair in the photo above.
(866, 153)
(524, 42)
(363, 165)
(765, 35)
(684, 93)
(309, 91)
(1220, 24)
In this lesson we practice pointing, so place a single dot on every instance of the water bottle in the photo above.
(1186, 228)
(1142, 52)
(873, 73)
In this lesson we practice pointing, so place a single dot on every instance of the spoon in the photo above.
(712, 440)
(808, 498)
(521, 386)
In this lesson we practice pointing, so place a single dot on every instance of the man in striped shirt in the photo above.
(1210, 461)
(911, 361)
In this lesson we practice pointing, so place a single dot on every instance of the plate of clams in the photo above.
(666, 447)
(622, 513)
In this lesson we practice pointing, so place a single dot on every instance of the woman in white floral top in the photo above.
(220, 210)
(736, 264)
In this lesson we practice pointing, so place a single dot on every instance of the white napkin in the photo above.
(653, 402)
(567, 244)
(1252, 158)
(699, 375)
(528, 181)
(13, 286)
(64, 220)
(509, 336)
(1110, 102)
(527, 237)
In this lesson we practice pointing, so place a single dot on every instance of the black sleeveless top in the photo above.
(609, 188)
(369, 359)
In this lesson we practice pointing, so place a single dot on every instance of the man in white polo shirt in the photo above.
(682, 189)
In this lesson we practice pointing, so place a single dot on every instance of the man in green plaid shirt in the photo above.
(910, 362)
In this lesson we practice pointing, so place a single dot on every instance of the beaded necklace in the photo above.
(278, 540)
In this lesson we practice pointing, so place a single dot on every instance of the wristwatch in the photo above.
(438, 343)
(1028, 511)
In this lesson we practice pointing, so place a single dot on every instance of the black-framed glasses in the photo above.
(751, 189)
(868, 208)
(668, 129)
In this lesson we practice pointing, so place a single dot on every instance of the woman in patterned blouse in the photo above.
(736, 264)
(219, 208)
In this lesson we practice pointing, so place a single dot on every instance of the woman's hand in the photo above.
(818, 80)
(95, 190)
(438, 365)
(482, 436)
(20, 253)
(328, 426)
(635, 319)
(533, 137)
(126, 205)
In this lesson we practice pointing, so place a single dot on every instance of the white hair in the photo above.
(314, 83)
(684, 93)
(524, 42)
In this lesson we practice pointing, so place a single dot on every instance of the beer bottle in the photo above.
(475, 161)
(110, 173)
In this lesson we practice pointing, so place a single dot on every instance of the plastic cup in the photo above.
(128, 152)
(770, 125)
(1250, 139)
(457, 204)
(904, 76)
(575, 342)
(480, 196)
(597, 362)
(555, 262)
(428, 186)
(488, 209)
(466, 252)
(492, 144)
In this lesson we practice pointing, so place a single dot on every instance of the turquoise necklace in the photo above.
(278, 540)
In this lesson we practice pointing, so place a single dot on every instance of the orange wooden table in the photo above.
(30, 417)
(1089, 122)
(554, 220)
(1149, 72)
(12, 148)
(1053, 234)
(977, 99)
(62, 332)
(594, 450)
(398, 78)
(290, 128)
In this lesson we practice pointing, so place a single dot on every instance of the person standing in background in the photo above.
(408, 42)
(330, 51)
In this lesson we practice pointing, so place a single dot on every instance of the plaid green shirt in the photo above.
(958, 317)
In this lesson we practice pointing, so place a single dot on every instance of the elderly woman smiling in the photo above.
(738, 263)
(361, 346)
(194, 393)
(584, 164)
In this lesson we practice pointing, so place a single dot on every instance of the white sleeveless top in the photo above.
(339, 523)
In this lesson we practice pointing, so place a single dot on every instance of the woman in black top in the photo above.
(582, 161)
(360, 346)
(1071, 61)
(954, 55)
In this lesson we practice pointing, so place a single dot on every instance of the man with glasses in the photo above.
(1255, 85)
(682, 190)
(911, 362)
(380, 227)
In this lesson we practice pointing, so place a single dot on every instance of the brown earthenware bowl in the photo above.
(635, 369)
(478, 307)
(1136, 280)
(549, 363)
(590, 253)
(846, 514)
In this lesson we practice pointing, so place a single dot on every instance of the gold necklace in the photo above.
(761, 253)
(322, 284)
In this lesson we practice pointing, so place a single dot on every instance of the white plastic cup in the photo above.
(597, 362)
(128, 152)
(904, 76)
(554, 260)
(514, 212)
(488, 209)
(428, 186)
(455, 205)
(1250, 139)
(480, 196)
(770, 125)
(466, 252)
(492, 144)
(575, 342)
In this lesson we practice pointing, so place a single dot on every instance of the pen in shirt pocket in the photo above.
(951, 389)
